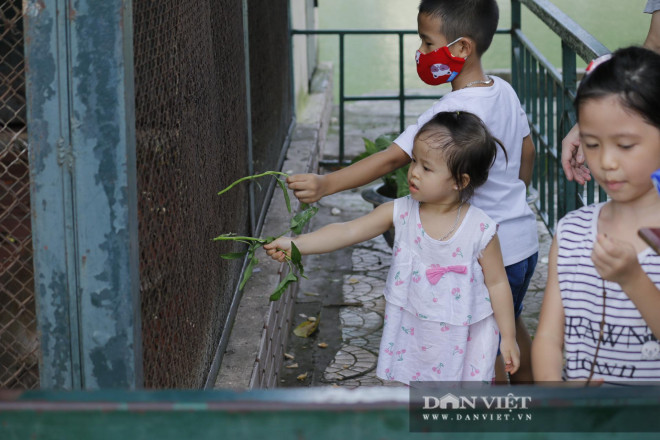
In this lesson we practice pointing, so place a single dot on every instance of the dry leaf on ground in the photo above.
(306, 328)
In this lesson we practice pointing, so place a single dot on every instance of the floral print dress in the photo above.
(439, 323)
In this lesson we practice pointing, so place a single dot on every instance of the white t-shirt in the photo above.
(504, 196)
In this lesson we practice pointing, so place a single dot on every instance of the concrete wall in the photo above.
(303, 16)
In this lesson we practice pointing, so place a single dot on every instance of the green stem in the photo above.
(256, 176)
(239, 238)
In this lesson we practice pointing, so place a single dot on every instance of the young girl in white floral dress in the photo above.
(447, 295)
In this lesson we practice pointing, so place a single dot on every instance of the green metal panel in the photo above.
(79, 86)
(566, 122)
(316, 413)
(557, 196)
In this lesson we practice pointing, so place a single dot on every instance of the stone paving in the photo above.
(363, 305)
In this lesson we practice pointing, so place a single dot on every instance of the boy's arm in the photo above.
(547, 354)
(527, 160)
(336, 235)
(309, 188)
(501, 301)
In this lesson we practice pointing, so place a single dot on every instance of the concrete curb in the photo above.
(260, 333)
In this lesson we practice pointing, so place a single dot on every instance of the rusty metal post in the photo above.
(79, 84)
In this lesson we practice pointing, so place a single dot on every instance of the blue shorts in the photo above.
(520, 274)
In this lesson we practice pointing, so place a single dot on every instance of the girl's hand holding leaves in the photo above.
(279, 249)
(280, 245)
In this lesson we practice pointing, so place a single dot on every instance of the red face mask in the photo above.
(440, 66)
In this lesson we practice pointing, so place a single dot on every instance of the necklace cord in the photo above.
(600, 337)
(479, 81)
(458, 217)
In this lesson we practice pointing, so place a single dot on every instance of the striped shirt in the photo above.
(628, 351)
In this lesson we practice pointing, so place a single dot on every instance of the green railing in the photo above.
(545, 91)
(547, 95)
(401, 96)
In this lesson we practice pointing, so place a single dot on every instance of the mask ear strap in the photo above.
(456, 40)
(459, 38)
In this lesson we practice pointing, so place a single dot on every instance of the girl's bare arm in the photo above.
(336, 235)
(547, 354)
(501, 301)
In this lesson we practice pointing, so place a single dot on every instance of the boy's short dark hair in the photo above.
(476, 19)
(466, 144)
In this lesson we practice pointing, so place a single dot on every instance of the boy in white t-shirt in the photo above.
(454, 36)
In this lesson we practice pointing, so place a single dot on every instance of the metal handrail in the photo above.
(547, 95)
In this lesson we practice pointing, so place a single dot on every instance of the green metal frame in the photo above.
(547, 95)
(343, 98)
(84, 157)
(545, 92)
(318, 413)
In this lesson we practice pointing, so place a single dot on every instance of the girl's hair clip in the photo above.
(598, 61)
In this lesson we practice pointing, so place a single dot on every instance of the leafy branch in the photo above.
(298, 222)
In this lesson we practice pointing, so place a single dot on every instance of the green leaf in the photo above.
(401, 179)
(385, 140)
(282, 185)
(296, 258)
(301, 219)
(281, 288)
(248, 272)
(369, 146)
(233, 255)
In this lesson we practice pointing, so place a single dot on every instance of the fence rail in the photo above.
(547, 93)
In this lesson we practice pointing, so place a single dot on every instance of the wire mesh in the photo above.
(191, 129)
(19, 344)
(270, 83)
(191, 122)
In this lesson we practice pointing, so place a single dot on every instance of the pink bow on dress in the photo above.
(436, 272)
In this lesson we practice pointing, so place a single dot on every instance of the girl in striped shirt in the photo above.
(600, 318)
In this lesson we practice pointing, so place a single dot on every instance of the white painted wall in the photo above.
(303, 16)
